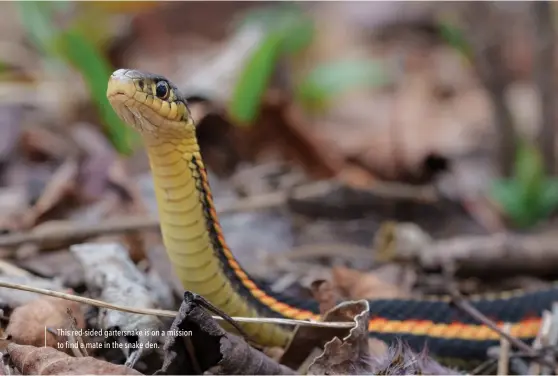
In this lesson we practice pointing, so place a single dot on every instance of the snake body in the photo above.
(205, 265)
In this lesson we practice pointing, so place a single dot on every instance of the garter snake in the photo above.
(196, 247)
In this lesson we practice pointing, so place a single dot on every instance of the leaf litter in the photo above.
(59, 166)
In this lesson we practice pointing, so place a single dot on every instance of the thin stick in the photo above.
(504, 359)
(541, 340)
(167, 313)
(72, 230)
(466, 307)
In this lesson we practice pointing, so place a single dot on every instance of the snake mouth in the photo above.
(120, 93)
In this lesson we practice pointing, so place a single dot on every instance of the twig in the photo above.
(484, 368)
(540, 340)
(466, 307)
(71, 230)
(503, 360)
(167, 313)
(506, 253)
(125, 224)
(342, 250)
(10, 269)
(552, 337)
(517, 365)
(79, 231)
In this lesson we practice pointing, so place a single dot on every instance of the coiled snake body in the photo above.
(205, 265)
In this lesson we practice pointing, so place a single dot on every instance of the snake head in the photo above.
(149, 103)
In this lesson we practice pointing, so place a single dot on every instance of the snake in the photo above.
(196, 247)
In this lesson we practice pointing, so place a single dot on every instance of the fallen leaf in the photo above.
(352, 355)
(28, 322)
(283, 128)
(306, 339)
(99, 155)
(210, 347)
(111, 275)
(62, 183)
(10, 123)
(131, 203)
(14, 298)
(349, 355)
(355, 284)
(61, 264)
(30, 360)
(324, 293)
(13, 200)
(39, 143)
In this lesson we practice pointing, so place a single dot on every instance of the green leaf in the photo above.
(529, 170)
(548, 197)
(455, 38)
(289, 19)
(286, 31)
(298, 33)
(333, 78)
(254, 79)
(507, 194)
(529, 196)
(37, 20)
(82, 54)
(73, 47)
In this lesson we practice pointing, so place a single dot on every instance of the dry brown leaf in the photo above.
(351, 354)
(39, 143)
(131, 203)
(56, 264)
(14, 298)
(99, 155)
(28, 322)
(13, 201)
(282, 127)
(211, 347)
(30, 360)
(10, 120)
(61, 184)
(306, 339)
(358, 285)
(324, 293)
(111, 275)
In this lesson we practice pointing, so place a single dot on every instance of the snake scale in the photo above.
(196, 247)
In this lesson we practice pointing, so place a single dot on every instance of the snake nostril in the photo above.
(141, 84)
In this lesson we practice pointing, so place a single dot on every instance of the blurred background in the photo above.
(343, 138)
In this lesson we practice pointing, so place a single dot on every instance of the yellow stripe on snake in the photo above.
(196, 247)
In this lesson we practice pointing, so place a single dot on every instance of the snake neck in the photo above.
(195, 244)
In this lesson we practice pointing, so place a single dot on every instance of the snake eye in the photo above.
(162, 90)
